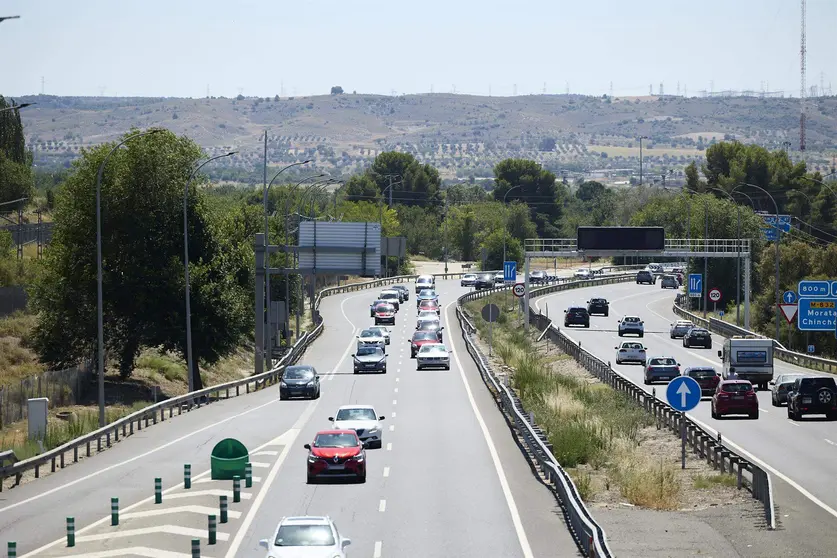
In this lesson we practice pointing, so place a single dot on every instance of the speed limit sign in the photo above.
(714, 295)
(519, 289)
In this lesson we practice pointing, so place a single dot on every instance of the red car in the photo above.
(427, 305)
(421, 338)
(336, 453)
(384, 313)
(735, 397)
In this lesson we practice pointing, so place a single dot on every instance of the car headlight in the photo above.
(371, 430)
(313, 459)
(311, 383)
(282, 384)
(358, 458)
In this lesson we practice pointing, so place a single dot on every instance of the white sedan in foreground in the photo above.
(363, 420)
(433, 355)
(630, 351)
(306, 537)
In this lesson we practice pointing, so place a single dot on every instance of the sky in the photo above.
(182, 48)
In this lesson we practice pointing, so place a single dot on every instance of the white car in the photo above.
(425, 282)
(391, 296)
(499, 278)
(371, 338)
(583, 273)
(434, 355)
(630, 351)
(362, 419)
(468, 280)
(383, 331)
(426, 316)
(306, 537)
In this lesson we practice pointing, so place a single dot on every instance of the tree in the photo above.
(16, 179)
(413, 183)
(590, 191)
(336, 90)
(493, 245)
(547, 144)
(143, 284)
(537, 189)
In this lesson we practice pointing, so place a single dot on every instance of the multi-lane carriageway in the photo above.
(448, 481)
(801, 453)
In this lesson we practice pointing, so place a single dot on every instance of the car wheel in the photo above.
(384, 370)
(754, 415)
(356, 372)
(642, 335)
(447, 367)
(606, 314)
(774, 401)
(282, 397)
(587, 325)
(418, 366)
(311, 479)
(791, 414)
(646, 381)
(684, 342)
(713, 413)
(709, 346)
(618, 361)
(831, 416)
(620, 334)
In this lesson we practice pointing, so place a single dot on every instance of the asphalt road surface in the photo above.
(802, 454)
(448, 481)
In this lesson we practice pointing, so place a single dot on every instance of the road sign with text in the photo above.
(695, 285)
(715, 295)
(817, 314)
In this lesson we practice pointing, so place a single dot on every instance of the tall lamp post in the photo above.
(640, 158)
(2, 19)
(269, 337)
(505, 225)
(778, 239)
(738, 272)
(381, 214)
(186, 266)
(17, 107)
(100, 317)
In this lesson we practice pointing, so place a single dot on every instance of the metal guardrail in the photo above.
(108, 435)
(709, 447)
(779, 351)
(588, 534)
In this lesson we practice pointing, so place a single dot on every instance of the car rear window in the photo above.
(424, 336)
(737, 388)
(663, 362)
(632, 345)
(817, 383)
(702, 373)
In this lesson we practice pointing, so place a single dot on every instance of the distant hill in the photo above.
(462, 135)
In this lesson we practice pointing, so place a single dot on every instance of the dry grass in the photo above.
(17, 360)
(609, 446)
(615, 150)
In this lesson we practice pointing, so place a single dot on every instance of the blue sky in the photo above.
(179, 47)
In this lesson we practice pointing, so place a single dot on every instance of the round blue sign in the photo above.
(789, 297)
(683, 393)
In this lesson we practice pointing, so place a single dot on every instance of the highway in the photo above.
(448, 481)
(803, 453)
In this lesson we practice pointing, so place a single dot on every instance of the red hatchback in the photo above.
(421, 338)
(427, 305)
(384, 313)
(336, 453)
(735, 397)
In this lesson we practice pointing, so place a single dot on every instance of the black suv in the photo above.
(576, 315)
(484, 281)
(697, 337)
(598, 306)
(646, 276)
(812, 395)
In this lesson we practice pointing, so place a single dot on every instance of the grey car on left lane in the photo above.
(370, 359)
(299, 380)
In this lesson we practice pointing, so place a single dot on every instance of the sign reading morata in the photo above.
(621, 238)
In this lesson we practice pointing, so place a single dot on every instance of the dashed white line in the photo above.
(396, 390)
(389, 446)
(763, 410)
(397, 379)
(393, 414)
(830, 442)
(395, 402)
(382, 506)
(793, 423)
(392, 429)
(377, 552)
(386, 471)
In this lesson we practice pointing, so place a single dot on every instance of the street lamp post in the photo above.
(186, 267)
(266, 353)
(4, 18)
(778, 239)
(99, 297)
(381, 215)
(738, 259)
(17, 107)
(640, 158)
(505, 225)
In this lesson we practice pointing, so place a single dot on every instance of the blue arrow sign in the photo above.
(509, 271)
(789, 297)
(695, 284)
(683, 393)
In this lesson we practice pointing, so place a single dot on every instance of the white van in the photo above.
(748, 358)
(425, 282)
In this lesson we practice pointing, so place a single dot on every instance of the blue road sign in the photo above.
(721, 313)
(770, 235)
(510, 271)
(695, 284)
(812, 349)
(784, 222)
(834, 289)
(789, 297)
(817, 314)
(683, 393)
(815, 289)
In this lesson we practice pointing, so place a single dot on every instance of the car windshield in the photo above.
(356, 414)
(428, 326)
(737, 388)
(424, 336)
(702, 373)
(294, 373)
(304, 535)
(370, 351)
(384, 308)
(380, 330)
(663, 362)
(487, 277)
(435, 348)
(427, 293)
(385, 296)
(366, 333)
(469, 276)
(336, 440)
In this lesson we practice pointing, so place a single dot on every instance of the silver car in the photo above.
(680, 328)
(384, 332)
(631, 325)
(780, 386)
(468, 280)
(371, 338)
(433, 355)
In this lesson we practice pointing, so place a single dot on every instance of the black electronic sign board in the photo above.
(621, 238)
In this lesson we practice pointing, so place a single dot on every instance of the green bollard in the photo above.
(196, 548)
(248, 475)
(12, 550)
(212, 529)
(71, 531)
(236, 489)
(158, 491)
(187, 476)
(224, 506)
(114, 511)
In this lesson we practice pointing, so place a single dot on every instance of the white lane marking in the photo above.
(168, 529)
(392, 428)
(382, 506)
(210, 492)
(266, 452)
(386, 471)
(134, 551)
(377, 552)
(396, 390)
(203, 510)
(389, 446)
(830, 442)
(259, 465)
(763, 410)
(793, 423)
(398, 379)
(395, 402)
(393, 414)
(495, 458)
